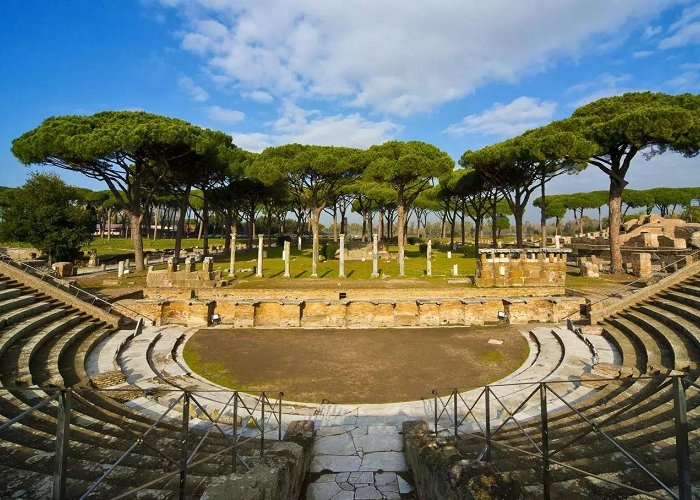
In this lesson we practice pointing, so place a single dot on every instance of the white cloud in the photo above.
(604, 85)
(651, 31)
(225, 115)
(685, 31)
(312, 127)
(194, 91)
(641, 54)
(258, 96)
(394, 56)
(513, 118)
(685, 80)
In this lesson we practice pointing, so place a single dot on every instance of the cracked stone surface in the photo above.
(358, 458)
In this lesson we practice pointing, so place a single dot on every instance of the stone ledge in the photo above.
(440, 472)
(278, 475)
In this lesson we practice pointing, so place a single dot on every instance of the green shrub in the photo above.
(328, 250)
(469, 251)
(281, 239)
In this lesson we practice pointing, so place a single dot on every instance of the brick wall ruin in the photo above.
(540, 267)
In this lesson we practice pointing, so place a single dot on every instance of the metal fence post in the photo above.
(435, 408)
(62, 441)
(546, 478)
(682, 447)
(183, 443)
(262, 425)
(235, 428)
(487, 455)
(279, 432)
(454, 395)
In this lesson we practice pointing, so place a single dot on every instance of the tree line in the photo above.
(147, 160)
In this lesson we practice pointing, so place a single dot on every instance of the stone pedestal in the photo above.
(641, 264)
(63, 269)
(287, 248)
(375, 256)
(259, 274)
(189, 265)
(208, 264)
(429, 259)
(299, 243)
(341, 266)
(92, 262)
(120, 269)
(171, 266)
(127, 263)
(455, 270)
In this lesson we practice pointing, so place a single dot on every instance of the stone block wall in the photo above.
(370, 313)
(543, 267)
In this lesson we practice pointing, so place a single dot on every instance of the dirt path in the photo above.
(356, 366)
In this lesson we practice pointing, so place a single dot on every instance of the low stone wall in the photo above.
(278, 475)
(366, 313)
(352, 292)
(440, 472)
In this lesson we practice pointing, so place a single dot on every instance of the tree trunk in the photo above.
(228, 222)
(204, 228)
(543, 218)
(179, 232)
(464, 232)
(518, 215)
(155, 226)
(477, 235)
(614, 204)
(316, 216)
(109, 224)
(251, 228)
(135, 220)
(381, 225)
(335, 223)
(401, 223)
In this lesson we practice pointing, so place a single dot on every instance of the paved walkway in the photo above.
(358, 457)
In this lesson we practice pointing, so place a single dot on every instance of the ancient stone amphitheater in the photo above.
(623, 409)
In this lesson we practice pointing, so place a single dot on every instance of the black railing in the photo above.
(489, 414)
(238, 419)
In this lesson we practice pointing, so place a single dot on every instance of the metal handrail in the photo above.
(678, 382)
(61, 398)
(55, 281)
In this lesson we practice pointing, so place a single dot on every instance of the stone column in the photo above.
(375, 256)
(287, 251)
(299, 243)
(341, 268)
(455, 270)
(232, 258)
(261, 237)
(120, 269)
(428, 259)
(127, 263)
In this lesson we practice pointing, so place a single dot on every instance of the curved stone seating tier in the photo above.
(45, 341)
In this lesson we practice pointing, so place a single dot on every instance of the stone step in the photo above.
(17, 302)
(31, 324)
(682, 349)
(16, 315)
(606, 351)
(666, 313)
(9, 293)
(631, 356)
(29, 346)
(687, 288)
(688, 299)
(162, 353)
(657, 358)
(103, 357)
(44, 365)
(133, 359)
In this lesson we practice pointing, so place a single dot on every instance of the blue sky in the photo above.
(458, 74)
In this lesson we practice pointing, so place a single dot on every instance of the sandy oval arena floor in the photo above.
(357, 365)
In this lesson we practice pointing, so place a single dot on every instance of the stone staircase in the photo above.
(640, 347)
